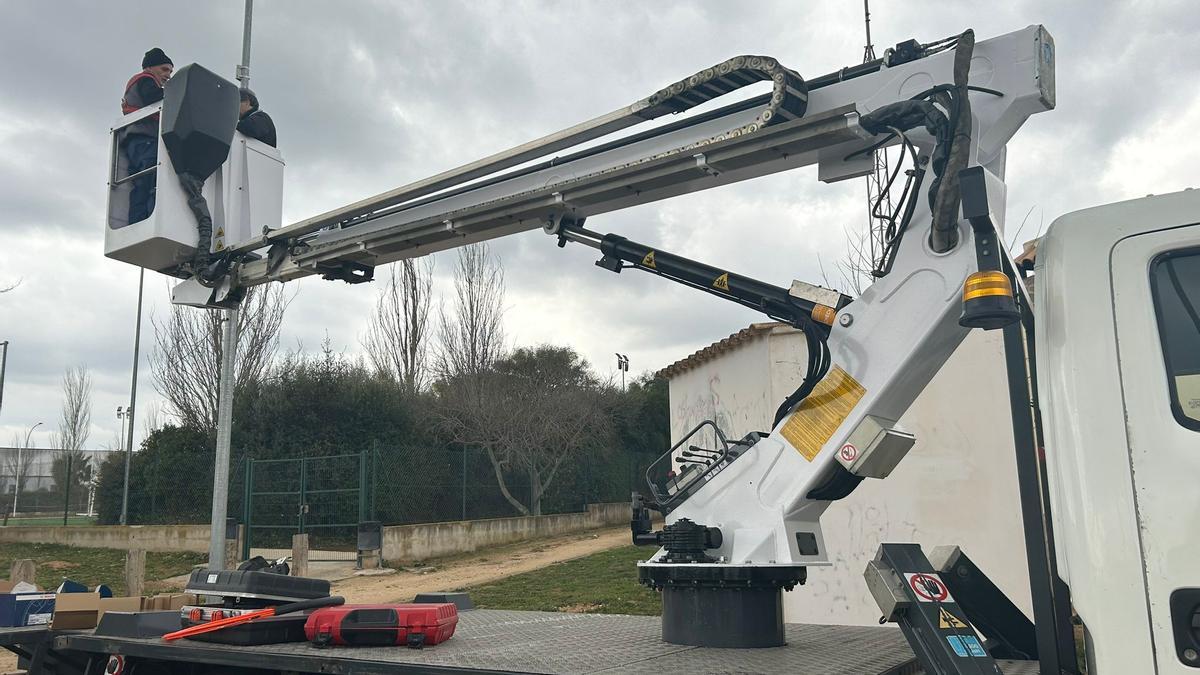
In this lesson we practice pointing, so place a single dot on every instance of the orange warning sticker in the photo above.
(819, 415)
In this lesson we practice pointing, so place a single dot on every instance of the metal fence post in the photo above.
(67, 490)
(362, 482)
(464, 483)
(246, 507)
(303, 498)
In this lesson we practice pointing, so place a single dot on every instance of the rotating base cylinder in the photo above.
(731, 606)
(739, 618)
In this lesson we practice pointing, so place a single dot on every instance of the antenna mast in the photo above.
(876, 181)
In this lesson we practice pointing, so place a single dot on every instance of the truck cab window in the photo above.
(1175, 279)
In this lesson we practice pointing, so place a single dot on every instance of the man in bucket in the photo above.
(140, 142)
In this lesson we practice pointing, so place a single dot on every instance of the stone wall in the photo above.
(145, 537)
(400, 542)
(430, 540)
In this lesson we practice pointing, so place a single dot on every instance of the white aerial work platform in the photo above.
(1103, 370)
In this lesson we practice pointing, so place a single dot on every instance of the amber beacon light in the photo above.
(988, 301)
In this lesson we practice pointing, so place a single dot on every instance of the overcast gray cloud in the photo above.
(371, 95)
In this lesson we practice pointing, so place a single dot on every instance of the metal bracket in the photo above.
(703, 165)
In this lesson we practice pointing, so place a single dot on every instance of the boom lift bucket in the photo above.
(244, 193)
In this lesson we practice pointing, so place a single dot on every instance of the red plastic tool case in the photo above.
(414, 625)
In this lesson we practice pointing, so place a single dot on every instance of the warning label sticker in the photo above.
(928, 587)
(721, 283)
(946, 620)
(848, 453)
(965, 645)
(819, 415)
(648, 261)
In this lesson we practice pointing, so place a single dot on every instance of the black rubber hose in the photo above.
(945, 207)
(193, 187)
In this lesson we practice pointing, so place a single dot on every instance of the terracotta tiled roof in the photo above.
(714, 350)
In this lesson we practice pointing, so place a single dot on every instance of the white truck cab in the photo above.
(1118, 355)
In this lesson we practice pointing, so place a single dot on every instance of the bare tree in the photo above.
(71, 468)
(473, 337)
(855, 268)
(75, 419)
(531, 412)
(187, 355)
(151, 421)
(18, 461)
(397, 340)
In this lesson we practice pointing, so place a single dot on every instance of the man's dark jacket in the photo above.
(258, 125)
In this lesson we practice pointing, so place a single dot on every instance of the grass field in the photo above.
(604, 583)
(93, 566)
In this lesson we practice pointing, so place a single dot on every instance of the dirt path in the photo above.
(478, 568)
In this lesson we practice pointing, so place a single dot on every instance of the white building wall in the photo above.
(958, 484)
(731, 395)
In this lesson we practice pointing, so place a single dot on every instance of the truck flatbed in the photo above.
(504, 641)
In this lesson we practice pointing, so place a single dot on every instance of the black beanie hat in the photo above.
(247, 95)
(155, 57)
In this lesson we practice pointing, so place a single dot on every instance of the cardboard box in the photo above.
(83, 610)
(165, 601)
(25, 609)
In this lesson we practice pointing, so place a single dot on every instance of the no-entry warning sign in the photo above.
(928, 587)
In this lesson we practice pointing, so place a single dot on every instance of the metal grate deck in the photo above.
(547, 642)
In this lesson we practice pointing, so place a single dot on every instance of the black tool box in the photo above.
(268, 631)
(256, 585)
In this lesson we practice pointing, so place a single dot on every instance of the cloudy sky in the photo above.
(368, 96)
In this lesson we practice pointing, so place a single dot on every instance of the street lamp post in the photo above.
(3, 363)
(623, 366)
(229, 342)
(126, 415)
(17, 472)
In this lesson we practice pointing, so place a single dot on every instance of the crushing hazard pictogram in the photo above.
(648, 261)
(928, 587)
(722, 282)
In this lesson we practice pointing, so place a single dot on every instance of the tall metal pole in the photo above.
(3, 365)
(137, 342)
(243, 70)
(229, 340)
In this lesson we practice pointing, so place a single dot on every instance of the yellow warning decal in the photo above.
(648, 261)
(946, 620)
(722, 282)
(819, 415)
(220, 232)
